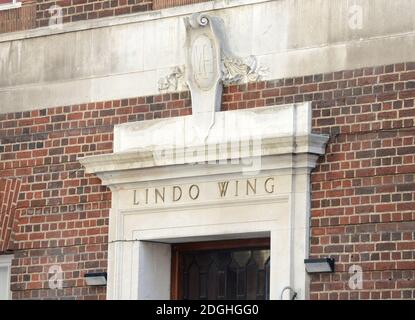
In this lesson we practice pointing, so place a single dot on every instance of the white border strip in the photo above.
(6, 261)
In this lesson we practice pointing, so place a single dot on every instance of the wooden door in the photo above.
(221, 270)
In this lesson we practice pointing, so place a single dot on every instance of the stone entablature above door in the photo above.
(168, 186)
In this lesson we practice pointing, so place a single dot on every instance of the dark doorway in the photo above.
(232, 269)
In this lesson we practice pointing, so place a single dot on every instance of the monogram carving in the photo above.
(203, 62)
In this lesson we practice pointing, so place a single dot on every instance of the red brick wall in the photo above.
(18, 19)
(76, 10)
(363, 206)
(160, 4)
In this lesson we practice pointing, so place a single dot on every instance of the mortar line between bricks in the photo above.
(373, 131)
(112, 127)
(96, 128)
(337, 272)
(357, 224)
(106, 243)
(57, 247)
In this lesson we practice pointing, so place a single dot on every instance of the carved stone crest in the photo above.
(209, 65)
(204, 40)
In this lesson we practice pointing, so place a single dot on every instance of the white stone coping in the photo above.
(9, 6)
(128, 18)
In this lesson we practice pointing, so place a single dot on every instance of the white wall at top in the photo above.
(120, 57)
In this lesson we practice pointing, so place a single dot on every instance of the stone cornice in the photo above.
(146, 158)
(285, 153)
(240, 141)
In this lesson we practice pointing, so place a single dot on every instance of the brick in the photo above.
(407, 94)
(365, 154)
(406, 150)
(366, 81)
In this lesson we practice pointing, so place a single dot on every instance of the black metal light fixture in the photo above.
(96, 278)
(321, 265)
